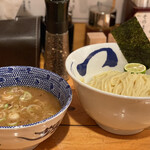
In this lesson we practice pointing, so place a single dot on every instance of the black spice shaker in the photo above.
(57, 40)
(70, 29)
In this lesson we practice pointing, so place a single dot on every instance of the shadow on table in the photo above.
(77, 114)
(55, 138)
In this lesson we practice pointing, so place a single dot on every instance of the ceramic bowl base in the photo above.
(27, 148)
(31, 148)
(119, 132)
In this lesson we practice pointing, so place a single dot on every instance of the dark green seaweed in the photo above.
(133, 42)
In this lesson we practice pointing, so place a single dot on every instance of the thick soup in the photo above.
(24, 105)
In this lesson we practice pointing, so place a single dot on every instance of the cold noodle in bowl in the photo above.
(122, 83)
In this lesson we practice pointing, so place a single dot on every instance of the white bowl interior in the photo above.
(94, 59)
(88, 58)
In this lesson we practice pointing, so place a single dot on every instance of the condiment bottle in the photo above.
(70, 29)
(57, 40)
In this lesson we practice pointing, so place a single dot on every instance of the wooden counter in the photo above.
(79, 132)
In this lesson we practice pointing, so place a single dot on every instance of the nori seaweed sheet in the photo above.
(133, 42)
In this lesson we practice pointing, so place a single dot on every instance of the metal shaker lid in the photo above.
(56, 16)
(99, 13)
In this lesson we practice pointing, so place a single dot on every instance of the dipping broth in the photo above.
(24, 105)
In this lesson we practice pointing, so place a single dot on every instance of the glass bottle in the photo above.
(57, 40)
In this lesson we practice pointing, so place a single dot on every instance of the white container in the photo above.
(124, 115)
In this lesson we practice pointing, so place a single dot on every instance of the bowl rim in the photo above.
(67, 64)
(49, 118)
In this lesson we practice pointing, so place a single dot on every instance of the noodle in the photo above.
(122, 83)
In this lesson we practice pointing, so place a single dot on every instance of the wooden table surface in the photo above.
(79, 132)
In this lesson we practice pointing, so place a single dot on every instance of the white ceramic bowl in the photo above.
(27, 137)
(117, 114)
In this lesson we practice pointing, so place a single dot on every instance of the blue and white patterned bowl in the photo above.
(117, 114)
(28, 136)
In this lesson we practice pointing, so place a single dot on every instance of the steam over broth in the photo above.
(24, 105)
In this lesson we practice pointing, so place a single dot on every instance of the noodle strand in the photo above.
(122, 83)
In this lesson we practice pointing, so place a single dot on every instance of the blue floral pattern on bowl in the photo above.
(39, 78)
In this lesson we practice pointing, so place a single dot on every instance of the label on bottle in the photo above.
(32, 8)
(143, 18)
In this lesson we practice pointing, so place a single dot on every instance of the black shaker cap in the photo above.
(56, 16)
